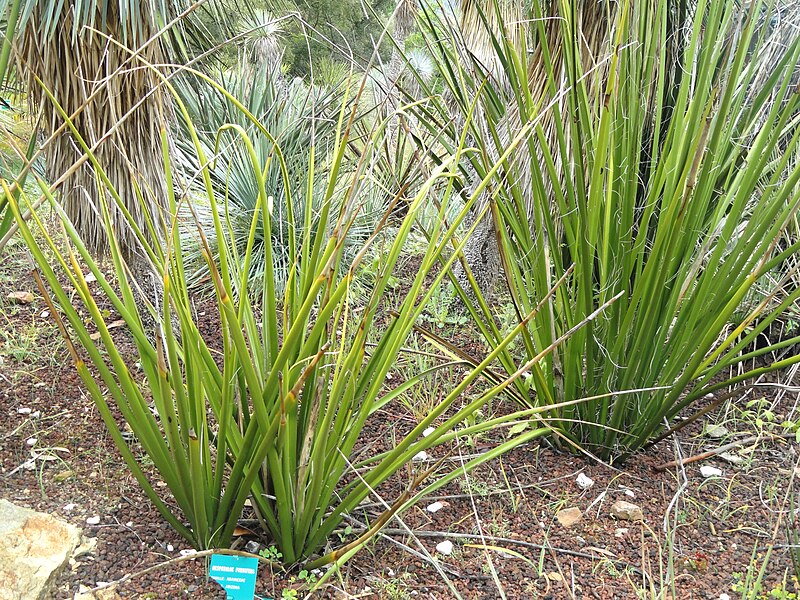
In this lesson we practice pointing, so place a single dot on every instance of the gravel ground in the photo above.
(501, 519)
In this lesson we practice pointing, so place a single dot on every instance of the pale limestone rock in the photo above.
(34, 547)
(108, 593)
(709, 471)
(445, 547)
(20, 297)
(626, 511)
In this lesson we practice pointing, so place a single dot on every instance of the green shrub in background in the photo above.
(654, 171)
(292, 116)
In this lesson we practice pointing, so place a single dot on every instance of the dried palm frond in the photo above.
(79, 53)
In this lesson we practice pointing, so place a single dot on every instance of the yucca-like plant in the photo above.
(275, 410)
(292, 116)
(640, 179)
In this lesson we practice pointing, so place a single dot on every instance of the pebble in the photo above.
(63, 475)
(93, 520)
(20, 297)
(421, 456)
(24, 410)
(428, 431)
(734, 459)
(569, 516)
(445, 547)
(626, 511)
(584, 482)
(709, 471)
(31, 441)
(716, 432)
(435, 507)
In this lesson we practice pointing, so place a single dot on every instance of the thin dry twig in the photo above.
(503, 540)
(743, 442)
(180, 559)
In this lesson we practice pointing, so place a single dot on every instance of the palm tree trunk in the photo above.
(118, 109)
(74, 67)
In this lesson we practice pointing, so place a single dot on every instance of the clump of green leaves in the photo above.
(636, 180)
(272, 406)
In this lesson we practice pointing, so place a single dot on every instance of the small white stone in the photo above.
(630, 493)
(734, 459)
(445, 547)
(717, 431)
(170, 548)
(24, 410)
(93, 520)
(620, 532)
(69, 507)
(31, 441)
(724, 596)
(709, 471)
(421, 456)
(188, 552)
(36, 414)
(584, 482)
(435, 507)
(428, 431)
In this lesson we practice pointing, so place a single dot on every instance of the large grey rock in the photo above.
(34, 547)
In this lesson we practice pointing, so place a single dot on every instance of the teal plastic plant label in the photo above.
(236, 575)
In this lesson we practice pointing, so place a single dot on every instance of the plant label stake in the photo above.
(236, 575)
